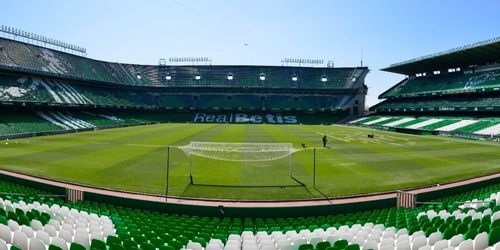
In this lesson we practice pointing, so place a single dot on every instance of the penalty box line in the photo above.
(345, 140)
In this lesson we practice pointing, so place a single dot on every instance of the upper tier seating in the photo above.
(446, 83)
(27, 57)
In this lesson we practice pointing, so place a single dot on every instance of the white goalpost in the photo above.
(255, 153)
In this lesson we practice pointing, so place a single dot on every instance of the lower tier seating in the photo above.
(32, 219)
(28, 122)
(449, 103)
(25, 122)
(465, 125)
(14, 123)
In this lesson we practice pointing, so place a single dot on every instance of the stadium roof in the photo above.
(473, 54)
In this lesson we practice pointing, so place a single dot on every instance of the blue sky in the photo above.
(388, 31)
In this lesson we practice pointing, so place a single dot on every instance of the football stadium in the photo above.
(188, 154)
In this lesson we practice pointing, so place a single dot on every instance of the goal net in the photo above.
(227, 151)
(270, 163)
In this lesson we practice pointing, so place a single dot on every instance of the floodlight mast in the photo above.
(192, 60)
(28, 37)
(162, 62)
(300, 61)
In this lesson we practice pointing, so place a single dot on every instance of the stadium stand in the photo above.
(466, 125)
(40, 122)
(448, 104)
(21, 123)
(444, 94)
(31, 58)
(33, 78)
(43, 91)
(35, 219)
(40, 90)
(485, 80)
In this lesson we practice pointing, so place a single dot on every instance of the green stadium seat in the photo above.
(53, 247)
(340, 244)
(323, 245)
(114, 246)
(76, 246)
(306, 247)
(352, 247)
(97, 245)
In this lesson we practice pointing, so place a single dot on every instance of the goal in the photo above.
(259, 164)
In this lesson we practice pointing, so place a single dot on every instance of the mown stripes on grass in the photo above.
(134, 159)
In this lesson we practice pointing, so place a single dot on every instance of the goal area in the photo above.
(241, 164)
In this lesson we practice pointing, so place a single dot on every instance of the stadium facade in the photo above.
(455, 92)
(56, 90)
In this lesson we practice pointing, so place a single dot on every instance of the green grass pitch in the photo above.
(134, 159)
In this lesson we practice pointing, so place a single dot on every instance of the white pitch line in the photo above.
(338, 138)
(348, 167)
(319, 148)
(333, 137)
(397, 138)
(386, 141)
(347, 164)
(379, 140)
(381, 137)
(370, 141)
(146, 145)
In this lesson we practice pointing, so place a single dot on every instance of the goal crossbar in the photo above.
(231, 151)
(240, 152)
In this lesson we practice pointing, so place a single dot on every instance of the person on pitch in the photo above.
(325, 140)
